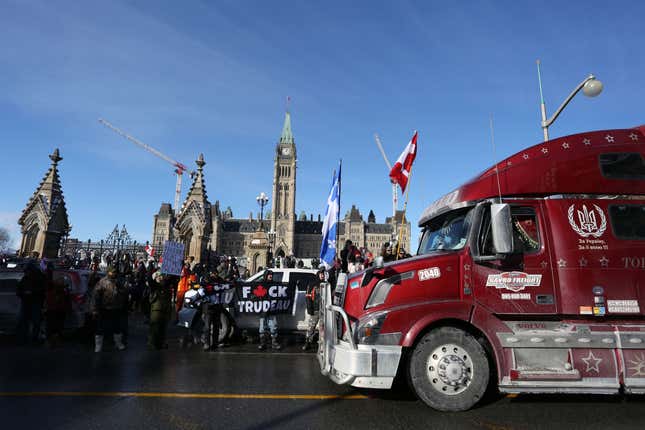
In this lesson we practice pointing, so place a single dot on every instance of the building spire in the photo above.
(200, 162)
(44, 220)
(197, 189)
(55, 157)
(286, 136)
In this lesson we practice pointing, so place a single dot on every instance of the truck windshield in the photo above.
(447, 232)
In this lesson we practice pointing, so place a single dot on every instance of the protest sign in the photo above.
(173, 258)
(265, 298)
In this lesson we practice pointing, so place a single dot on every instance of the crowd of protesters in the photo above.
(127, 286)
(352, 259)
(137, 286)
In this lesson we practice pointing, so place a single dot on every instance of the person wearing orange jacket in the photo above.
(185, 282)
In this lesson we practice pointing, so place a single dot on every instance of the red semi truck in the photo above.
(530, 277)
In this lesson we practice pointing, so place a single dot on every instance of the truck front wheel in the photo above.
(449, 369)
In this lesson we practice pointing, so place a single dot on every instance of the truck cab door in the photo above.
(521, 283)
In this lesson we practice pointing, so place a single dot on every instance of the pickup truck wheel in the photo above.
(449, 370)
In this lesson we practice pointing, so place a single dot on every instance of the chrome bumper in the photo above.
(344, 362)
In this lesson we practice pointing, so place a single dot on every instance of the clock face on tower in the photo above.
(286, 150)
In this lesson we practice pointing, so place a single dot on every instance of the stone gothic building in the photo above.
(205, 228)
(44, 223)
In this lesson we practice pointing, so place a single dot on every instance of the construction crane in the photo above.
(395, 198)
(180, 168)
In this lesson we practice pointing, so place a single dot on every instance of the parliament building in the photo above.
(205, 228)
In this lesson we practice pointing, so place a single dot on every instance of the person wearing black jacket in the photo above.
(31, 291)
(314, 289)
(160, 303)
(344, 255)
(268, 321)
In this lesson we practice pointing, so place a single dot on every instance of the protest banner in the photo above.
(265, 298)
(172, 257)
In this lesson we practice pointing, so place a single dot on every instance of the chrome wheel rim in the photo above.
(450, 369)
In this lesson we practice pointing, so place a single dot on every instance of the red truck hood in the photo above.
(433, 276)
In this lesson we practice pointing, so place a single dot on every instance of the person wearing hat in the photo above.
(268, 321)
(110, 310)
(160, 309)
(312, 296)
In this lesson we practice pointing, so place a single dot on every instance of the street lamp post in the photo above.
(590, 87)
(262, 200)
(271, 237)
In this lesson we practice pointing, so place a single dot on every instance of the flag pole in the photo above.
(340, 170)
(405, 207)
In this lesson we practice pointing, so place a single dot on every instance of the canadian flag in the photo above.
(150, 250)
(401, 170)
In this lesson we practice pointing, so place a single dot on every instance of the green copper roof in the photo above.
(287, 136)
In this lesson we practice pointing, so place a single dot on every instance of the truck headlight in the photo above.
(368, 331)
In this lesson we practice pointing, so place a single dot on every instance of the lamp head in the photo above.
(592, 87)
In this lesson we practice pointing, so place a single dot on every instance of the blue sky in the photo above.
(212, 77)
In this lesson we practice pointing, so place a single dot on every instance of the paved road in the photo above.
(240, 388)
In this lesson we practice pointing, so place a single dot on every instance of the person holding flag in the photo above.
(400, 174)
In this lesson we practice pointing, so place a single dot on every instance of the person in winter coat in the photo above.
(187, 279)
(57, 304)
(161, 287)
(312, 296)
(137, 287)
(268, 321)
(31, 291)
(110, 309)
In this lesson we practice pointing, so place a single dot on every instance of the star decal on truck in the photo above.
(592, 362)
(604, 261)
(638, 365)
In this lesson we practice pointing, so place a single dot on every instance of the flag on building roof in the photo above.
(400, 172)
(330, 223)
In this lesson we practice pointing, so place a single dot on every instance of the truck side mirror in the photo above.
(502, 228)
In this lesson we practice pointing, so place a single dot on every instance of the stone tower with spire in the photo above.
(193, 225)
(44, 221)
(283, 209)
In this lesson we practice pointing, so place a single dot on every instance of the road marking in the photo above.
(264, 354)
(184, 395)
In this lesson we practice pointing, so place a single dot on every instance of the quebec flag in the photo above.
(330, 223)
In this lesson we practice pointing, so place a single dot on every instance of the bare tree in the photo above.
(5, 239)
